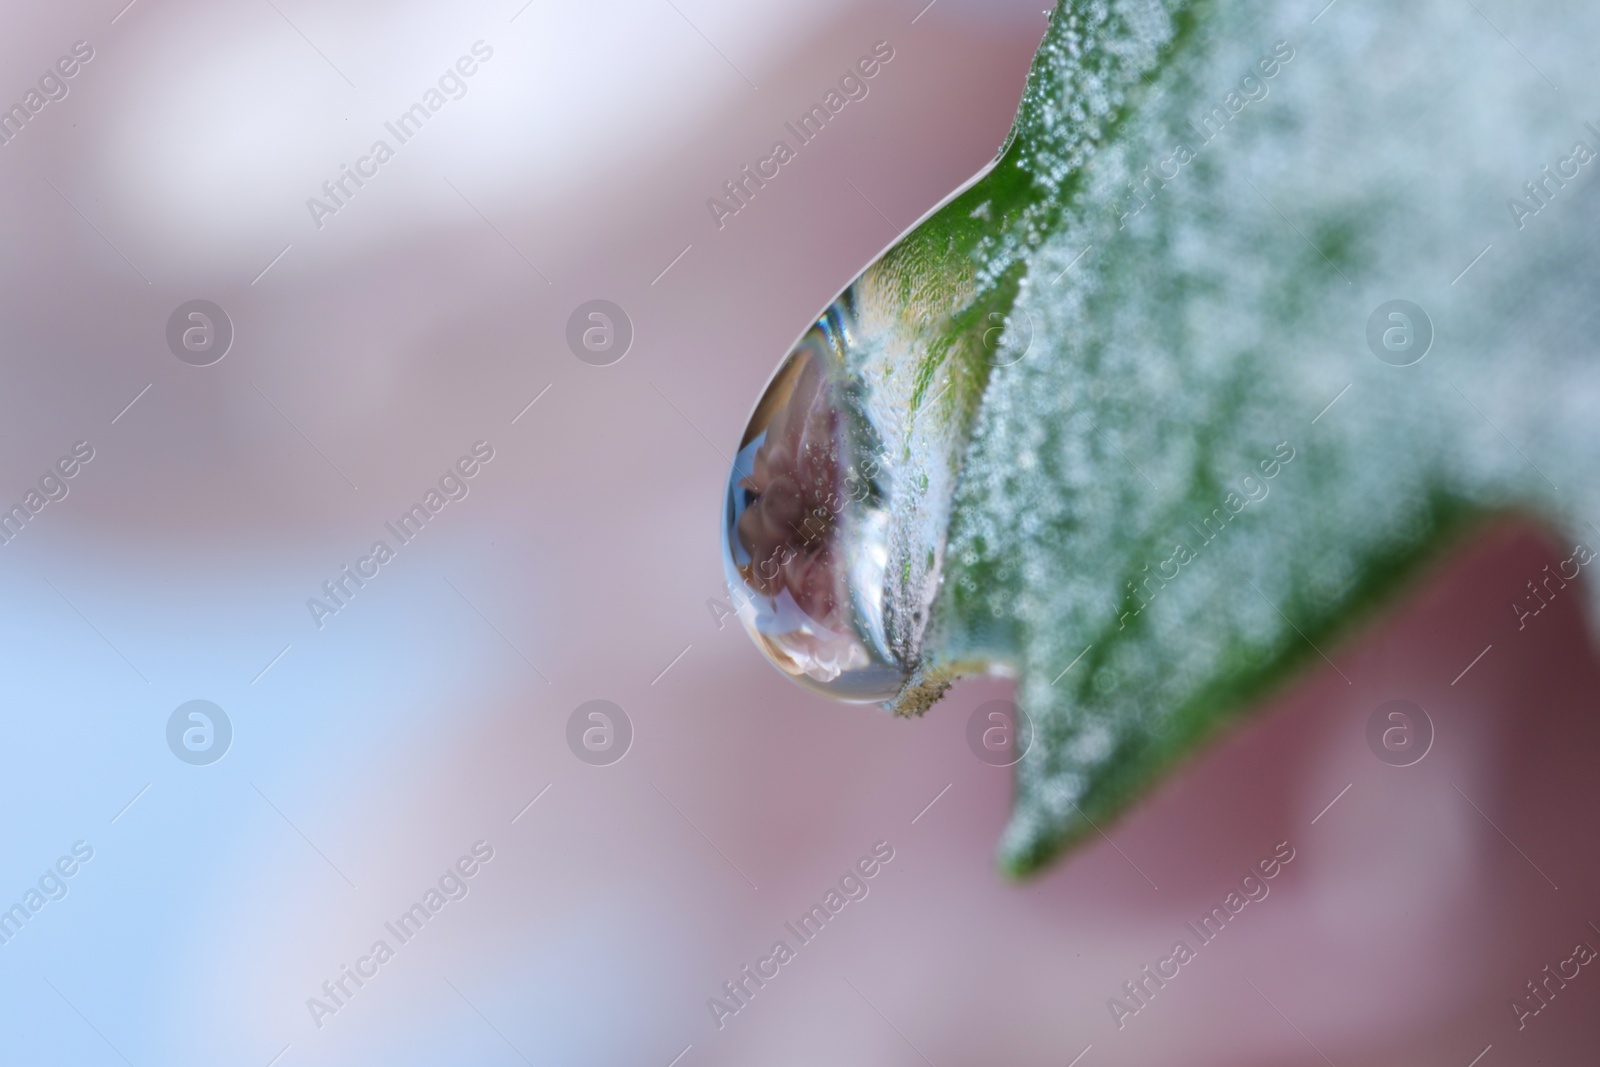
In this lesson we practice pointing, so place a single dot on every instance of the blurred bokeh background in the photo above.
(431, 712)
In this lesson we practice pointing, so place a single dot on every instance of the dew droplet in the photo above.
(838, 500)
(803, 535)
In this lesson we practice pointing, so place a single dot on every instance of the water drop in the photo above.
(839, 496)
(803, 542)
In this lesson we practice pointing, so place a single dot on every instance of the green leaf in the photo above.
(1197, 465)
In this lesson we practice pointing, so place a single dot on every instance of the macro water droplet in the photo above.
(838, 500)
(803, 539)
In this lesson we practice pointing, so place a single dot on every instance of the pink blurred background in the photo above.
(583, 564)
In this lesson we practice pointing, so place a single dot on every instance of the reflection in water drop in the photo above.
(839, 496)
(804, 537)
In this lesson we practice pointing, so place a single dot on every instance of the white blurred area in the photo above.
(576, 99)
(428, 713)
